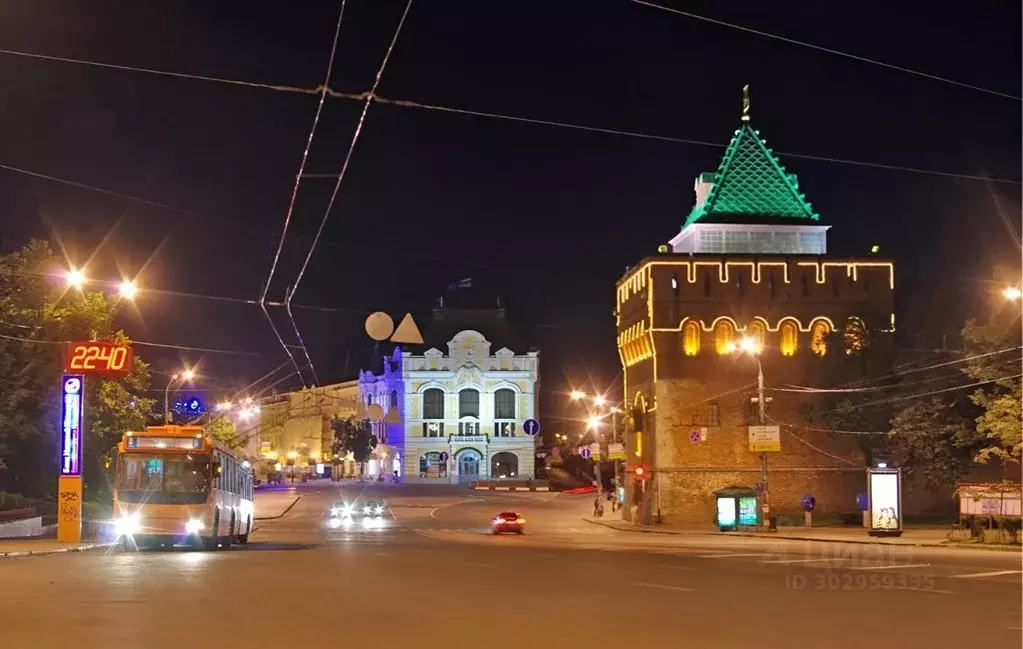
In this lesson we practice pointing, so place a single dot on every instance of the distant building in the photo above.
(293, 429)
(462, 399)
(750, 262)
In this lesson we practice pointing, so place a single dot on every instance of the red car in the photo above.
(508, 522)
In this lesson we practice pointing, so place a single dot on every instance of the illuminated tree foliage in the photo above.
(221, 427)
(353, 436)
(37, 312)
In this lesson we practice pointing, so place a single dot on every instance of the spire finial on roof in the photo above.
(745, 103)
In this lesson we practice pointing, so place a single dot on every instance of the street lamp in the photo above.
(127, 289)
(1012, 293)
(752, 348)
(175, 381)
(576, 395)
(74, 278)
(593, 422)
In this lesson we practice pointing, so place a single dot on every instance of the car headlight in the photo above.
(126, 525)
(365, 510)
(380, 510)
(348, 510)
(194, 526)
(334, 511)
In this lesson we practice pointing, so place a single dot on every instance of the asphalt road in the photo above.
(429, 575)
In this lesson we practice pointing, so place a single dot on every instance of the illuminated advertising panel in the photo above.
(726, 511)
(71, 425)
(885, 494)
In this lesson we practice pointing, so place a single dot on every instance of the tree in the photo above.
(37, 313)
(222, 428)
(995, 364)
(849, 379)
(935, 439)
(353, 436)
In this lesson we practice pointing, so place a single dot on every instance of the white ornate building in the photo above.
(462, 407)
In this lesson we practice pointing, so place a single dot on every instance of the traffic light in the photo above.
(639, 472)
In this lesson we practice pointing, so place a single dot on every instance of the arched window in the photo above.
(724, 337)
(433, 404)
(431, 466)
(469, 403)
(819, 337)
(756, 332)
(504, 465)
(854, 336)
(504, 404)
(691, 338)
(789, 338)
(394, 399)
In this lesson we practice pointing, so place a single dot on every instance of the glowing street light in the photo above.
(74, 278)
(1012, 293)
(593, 422)
(175, 382)
(127, 289)
(576, 395)
(599, 401)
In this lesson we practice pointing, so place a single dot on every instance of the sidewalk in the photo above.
(31, 547)
(912, 537)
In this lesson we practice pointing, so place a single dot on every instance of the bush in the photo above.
(10, 501)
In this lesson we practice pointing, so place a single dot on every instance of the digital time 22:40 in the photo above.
(98, 358)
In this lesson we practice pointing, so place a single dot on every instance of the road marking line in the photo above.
(479, 565)
(995, 573)
(892, 567)
(671, 567)
(662, 586)
(729, 556)
(818, 560)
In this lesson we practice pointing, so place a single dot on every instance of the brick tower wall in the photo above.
(688, 393)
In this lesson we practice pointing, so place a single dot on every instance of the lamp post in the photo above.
(752, 348)
(175, 381)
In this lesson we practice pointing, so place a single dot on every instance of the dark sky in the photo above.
(546, 217)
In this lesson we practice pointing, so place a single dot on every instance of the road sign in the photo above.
(585, 452)
(764, 439)
(393, 417)
(531, 427)
(595, 451)
(694, 436)
(443, 457)
(616, 451)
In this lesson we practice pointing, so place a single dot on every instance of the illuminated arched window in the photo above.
(855, 336)
(757, 333)
(819, 337)
(789, 338)
(724, 337)
(691, 339)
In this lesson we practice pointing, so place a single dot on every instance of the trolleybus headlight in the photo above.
(194, 525)
(126, 525)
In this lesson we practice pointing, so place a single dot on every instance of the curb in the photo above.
(925, 544)
(39, 553)
(282, 514)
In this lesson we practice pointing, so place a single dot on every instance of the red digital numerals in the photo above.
(106, 358)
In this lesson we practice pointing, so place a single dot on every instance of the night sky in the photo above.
(545, 217)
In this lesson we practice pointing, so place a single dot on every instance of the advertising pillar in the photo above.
(69, 484)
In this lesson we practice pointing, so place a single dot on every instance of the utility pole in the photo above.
(762, 408)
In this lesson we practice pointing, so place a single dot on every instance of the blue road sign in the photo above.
(531, 427)
(585, 452)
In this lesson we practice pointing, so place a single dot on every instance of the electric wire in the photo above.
(337, 185)
(294, 195)
(828, 50)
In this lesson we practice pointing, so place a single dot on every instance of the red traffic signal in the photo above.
(639, 472)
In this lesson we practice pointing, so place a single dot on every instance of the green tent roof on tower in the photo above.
(750, 186)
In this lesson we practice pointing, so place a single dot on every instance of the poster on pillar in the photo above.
(69, 484)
